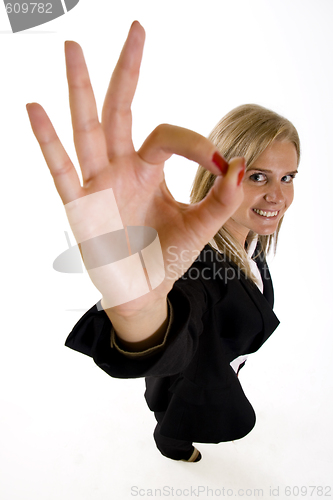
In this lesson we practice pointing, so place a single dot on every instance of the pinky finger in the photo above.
(65, 177)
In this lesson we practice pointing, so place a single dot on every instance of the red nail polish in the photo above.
(220, 162)
(241, 175)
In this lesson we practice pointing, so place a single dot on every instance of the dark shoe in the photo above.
(195, 457)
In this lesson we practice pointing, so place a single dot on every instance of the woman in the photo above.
(190, 335)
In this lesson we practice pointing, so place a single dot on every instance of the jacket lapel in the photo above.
(263, 301)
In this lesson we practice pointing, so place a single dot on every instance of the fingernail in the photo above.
(241, 173)
(220, 162)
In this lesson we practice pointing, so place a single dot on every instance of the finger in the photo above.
(62, 169)
(167, 140)
(116, 114)
(208, 215)
(89, 137)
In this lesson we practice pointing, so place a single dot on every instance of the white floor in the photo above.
(70, 432)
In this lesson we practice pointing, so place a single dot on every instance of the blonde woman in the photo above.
(191, 334)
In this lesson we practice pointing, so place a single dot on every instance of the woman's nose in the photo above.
(274, 194)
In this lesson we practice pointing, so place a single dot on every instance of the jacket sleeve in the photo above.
(93, 335)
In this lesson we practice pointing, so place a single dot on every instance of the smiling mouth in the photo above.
(265, 214)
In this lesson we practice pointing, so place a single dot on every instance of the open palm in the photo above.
(108, 159)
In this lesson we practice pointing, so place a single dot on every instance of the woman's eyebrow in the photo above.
(269, 171)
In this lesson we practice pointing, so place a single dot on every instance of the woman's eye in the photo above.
(288, 178)
(258, 177)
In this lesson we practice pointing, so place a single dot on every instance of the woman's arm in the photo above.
(187, 305)
(124, 188)
(143, 331)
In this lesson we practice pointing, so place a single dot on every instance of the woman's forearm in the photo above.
(142, 330)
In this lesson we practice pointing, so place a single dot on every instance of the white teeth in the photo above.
(265, 214)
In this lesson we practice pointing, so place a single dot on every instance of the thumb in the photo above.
(222, 200)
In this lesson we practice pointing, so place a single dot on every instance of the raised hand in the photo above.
(135, 180)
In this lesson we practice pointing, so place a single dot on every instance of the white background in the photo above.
(68, 431)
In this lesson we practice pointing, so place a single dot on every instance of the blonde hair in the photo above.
(245, 131)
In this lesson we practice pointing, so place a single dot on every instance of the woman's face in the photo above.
(268, 192)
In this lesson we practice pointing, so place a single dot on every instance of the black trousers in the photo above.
(169, 447)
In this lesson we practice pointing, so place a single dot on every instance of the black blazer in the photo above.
(218, 315)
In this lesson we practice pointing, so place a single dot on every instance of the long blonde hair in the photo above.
(245, 131)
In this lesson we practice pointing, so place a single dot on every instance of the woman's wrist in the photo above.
(138, 325)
